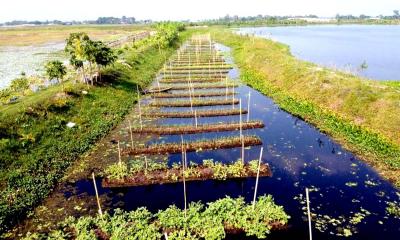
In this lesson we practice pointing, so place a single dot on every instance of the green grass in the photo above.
(36, 147)
(361, 114)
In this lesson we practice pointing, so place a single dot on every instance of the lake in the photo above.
(28, 59)
(344, 47)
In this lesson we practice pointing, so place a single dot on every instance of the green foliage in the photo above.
(30, 169)
(117, 171)
(55, 69)
(393, 208)
(19, 84)
(199, 222)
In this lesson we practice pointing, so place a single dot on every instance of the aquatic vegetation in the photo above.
(141, 174)
(199, 145)
(199, 221)
(393, 208)
(191, 129)
(194, 103)
(271, 69)
(195, 94)
(35, 165)
(200, 113)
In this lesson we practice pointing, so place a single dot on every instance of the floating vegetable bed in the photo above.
(200, 113)
(195, 94)
(208, 144)
(194, 103)
(139, 176)
(212, 221)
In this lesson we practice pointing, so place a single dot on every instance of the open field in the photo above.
(23, 36)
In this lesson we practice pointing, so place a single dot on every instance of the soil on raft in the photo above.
(191, 80)
(210, 144)
(189, 114)
(190, 129)
(195, 94)
(195, 103)
(164, 176)
(196, 86)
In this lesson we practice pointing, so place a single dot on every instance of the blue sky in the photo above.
(185, 9)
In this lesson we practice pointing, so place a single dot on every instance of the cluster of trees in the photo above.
(82, 49)
(396, 15)
(259, 19)
(100, 20)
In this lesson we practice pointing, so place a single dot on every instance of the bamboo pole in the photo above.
(130, 130)
(184, 180)
(195, 117)
(97, 194)
(242, 151)
(233, 97)
(140, 108)
(258, 176)
(240, 117)
(248, 108)
(119, 155)
(309, 213)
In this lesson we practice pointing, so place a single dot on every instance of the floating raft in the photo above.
(209, 144)
(164, 176)
(190, 129)
(194, 103)
(200, 113)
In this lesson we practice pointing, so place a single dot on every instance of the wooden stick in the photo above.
(97, 194)
(195, 117)
(258, 175)
(240, 117)
(248, 108)
(242, 151)
(233, 97)
(119, 155)
(130, 130)
(184, 180)
(309, 213)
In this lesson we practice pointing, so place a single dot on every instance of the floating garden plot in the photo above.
(141, 175)
(209, 144)
(200, 80)
(190, 129)
(196, 86)
(212, 221)
(199, 113)
(194, 103)
(194, 94)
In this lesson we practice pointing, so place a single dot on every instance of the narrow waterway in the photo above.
(347, 196)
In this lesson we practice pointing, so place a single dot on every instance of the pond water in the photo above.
(343, 187)
(344, 47)
(28, 59)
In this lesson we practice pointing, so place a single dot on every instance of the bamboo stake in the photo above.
(145, 162)
(258, 175)
(242, 151)
(166, 236)
(248, 108)
(184, 180)
(130, 130)
(140, 108)
(195, 117)
(233, 97)
(119, 155)
(240, 117)
(309, 213)
(97, 194)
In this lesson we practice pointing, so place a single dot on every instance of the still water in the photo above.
(346, 192)
(344, 47)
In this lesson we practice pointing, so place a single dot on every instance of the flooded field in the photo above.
(348, 198)
(28, 59)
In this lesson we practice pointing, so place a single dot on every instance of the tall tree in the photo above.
(75, 49)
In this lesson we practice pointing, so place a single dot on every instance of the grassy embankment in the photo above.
(362, 115)
(36, 146)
